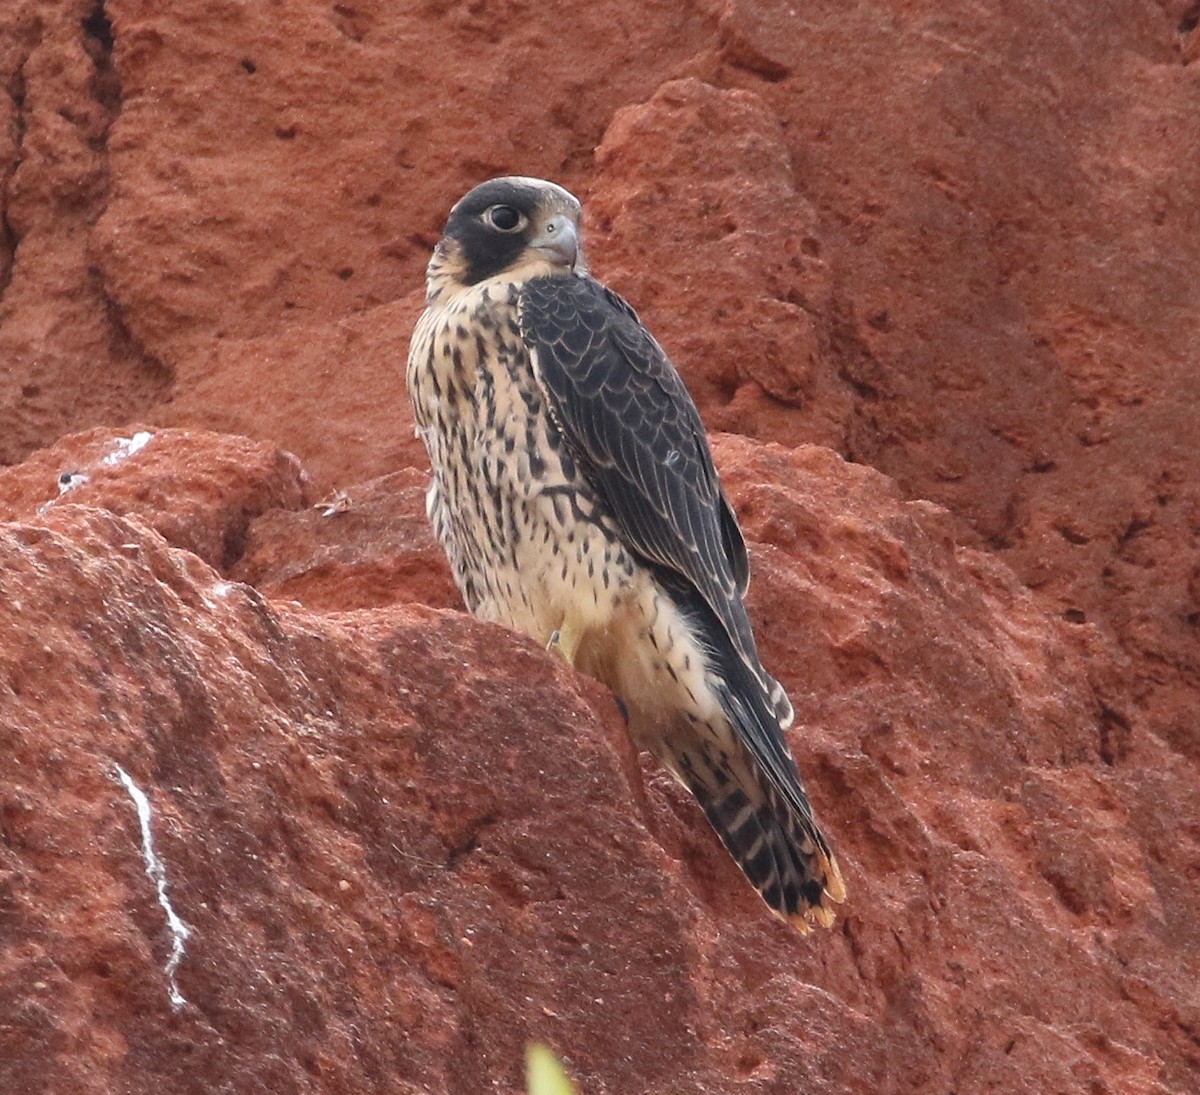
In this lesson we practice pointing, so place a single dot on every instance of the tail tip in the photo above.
(818, 912)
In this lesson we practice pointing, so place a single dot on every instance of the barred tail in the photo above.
(781, 852)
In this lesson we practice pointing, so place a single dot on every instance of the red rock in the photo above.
(333, 391)
(1016, 309)
(699, 180)
(405, 842)
(199, 491)
(394, 871)
(960, 250)
(69, 360)
(366, 547)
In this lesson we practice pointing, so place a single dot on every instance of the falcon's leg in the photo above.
(565, 639)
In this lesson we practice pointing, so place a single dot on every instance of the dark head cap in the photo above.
(515, 225)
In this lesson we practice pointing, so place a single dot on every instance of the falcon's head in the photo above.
(516, 226)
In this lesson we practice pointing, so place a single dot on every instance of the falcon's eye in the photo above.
(505, 218)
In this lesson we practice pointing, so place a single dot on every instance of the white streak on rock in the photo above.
(158, 875)
(127, 446)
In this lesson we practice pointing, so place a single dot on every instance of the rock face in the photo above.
(403, 842)
(933, 273)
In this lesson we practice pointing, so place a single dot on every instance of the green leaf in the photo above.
(543, 1073)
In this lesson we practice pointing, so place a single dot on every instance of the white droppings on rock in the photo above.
(180, 932)
(126, 446)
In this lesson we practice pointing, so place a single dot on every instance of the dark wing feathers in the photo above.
(735, 546)
(637, 436)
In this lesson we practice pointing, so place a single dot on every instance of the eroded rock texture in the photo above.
(932, 268)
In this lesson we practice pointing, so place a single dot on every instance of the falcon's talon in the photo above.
(575, 495)
(567, 642)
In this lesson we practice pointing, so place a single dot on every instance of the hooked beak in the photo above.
(558, 240)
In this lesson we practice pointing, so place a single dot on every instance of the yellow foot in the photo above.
(566, 641)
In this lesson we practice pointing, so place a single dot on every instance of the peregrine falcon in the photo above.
(575, 496)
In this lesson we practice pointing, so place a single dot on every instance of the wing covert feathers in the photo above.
(638, 437)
